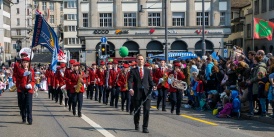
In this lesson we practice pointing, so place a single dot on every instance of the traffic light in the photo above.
(103, 49)
(83, 47)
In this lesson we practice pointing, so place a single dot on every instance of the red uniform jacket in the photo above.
(49, 74)
(60, 78)
(159, 74)
(24, 80)
(74, 79)
(93, 76)
(122, 81)
(113, 77)
(179, 76)
(67, 78)
(102, 76)
(15, 76)
(200, 87)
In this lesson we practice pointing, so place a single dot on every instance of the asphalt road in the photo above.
(53, 120)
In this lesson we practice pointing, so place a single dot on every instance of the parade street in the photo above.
(53, 120)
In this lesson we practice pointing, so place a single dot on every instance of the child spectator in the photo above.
(236, 104)
(226, 111)
(2, 86)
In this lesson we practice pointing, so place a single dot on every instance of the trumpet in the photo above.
(178, 84)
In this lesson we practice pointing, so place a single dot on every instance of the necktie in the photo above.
(141, 73)
(162, 70)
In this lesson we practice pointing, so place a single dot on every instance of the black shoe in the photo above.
(74, 113)
(145, 130)
(122, 109)
(157, 107)
(136, 127)
(163, 109)
(24, 121)
(79, 114)
(96, 99)
(116, 106)
(90, 98)
(69, 109)
(30, 123)
(130, 113)
(177, 113)
(111, 105)
(171, 111)
(99, 101)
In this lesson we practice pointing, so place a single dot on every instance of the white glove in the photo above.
(169, 80)
(62, 74)
(26, 73)
(98, 80)
(63, 87)
(28, 86)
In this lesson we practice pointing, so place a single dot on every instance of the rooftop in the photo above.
(240, 3)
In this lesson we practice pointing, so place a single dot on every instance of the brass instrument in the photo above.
(165, 77)
(175, 83)
(79, 84)
(126, 80)
(13, 88)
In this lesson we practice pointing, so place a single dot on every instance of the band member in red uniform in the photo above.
(160, 77)
(113, 84)
(77, 80)
(101, 73)
(108, 87)
(26, 81)
(68, 82)
(92, 82)
(123, 87)
(49, 74)
(175, 94)
(60, 82)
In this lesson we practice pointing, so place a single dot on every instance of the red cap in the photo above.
(24, 54)
(125, 65)
(102, 63)
(147, 65)
(133, 63)
(62, 65)
(177, 65)
(115, 62)
(93, 63)
(26, 59)
(72, 61)
(109, 63)
(76, 64)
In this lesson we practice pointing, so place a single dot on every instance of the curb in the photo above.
(266, 119)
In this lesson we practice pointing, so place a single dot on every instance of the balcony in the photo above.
(238, 20)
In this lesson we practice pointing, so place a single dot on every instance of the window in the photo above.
(178, 19)
(248, 28)
(263, 6)
(35, 4)
(71, 41)
(105, 20)
(28, 22)
(70, 4)
(154, 19)
(129, 19)
(18, 32)
(17, 10)
(199, 19)
(271, 4)
(256, 4)
(18, 21)
(222, 19)
(70, 16)
(44, 5)
(85, 19)
(51, 6)
(51, 17)
(61, 6)
(70, 28)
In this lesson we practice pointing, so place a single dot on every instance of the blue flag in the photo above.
(215, 56)
(44, 35)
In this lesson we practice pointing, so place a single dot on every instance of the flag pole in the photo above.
(253, 25)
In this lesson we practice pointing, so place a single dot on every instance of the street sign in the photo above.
(225, 53)
(104, 40)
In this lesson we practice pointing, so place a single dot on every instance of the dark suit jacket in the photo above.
(136, 83)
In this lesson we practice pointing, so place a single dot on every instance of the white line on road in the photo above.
(94, 125)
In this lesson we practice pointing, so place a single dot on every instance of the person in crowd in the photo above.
(227, 109)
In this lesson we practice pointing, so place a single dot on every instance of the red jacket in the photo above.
(113, 77)
(67, 78)
(92, 76)
(122, 81)
(24, 80)
(15, 76)
(102, 76)
(159, 74)
(180, 76)
(49, 74)
(60, 78)
(200, 87)
(74, 80)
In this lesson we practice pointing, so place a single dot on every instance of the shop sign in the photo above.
(151, 31)
(208, 32)
(118, 31)
(100, 31)
(172, 31)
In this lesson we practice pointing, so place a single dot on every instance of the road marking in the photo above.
(94, 125)
(199, 120)
(193, 118)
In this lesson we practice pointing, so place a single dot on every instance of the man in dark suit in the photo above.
(139, 91)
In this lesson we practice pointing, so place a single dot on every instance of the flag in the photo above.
(215, 56)
(263, 29)
(44, 35)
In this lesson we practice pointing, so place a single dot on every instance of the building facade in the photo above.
(124, 23)
(5, 26)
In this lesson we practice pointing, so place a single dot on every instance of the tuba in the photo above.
(178, 84)
(79, 83)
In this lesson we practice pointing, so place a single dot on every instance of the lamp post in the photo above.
(166, 40)
(203, 28)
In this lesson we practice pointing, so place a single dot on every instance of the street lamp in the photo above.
(203, 29)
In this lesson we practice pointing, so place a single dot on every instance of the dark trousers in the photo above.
(77, 98)
(125, 98)
(108, 91)
(146, 108)
(115, 96)
(59, 95)
(162, 97)
(49, 90)
(102, 93)
(90, 91)
(70, 99)
(176, 99)
(25, 99)
(255, 98)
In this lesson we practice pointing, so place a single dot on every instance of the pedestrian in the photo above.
(140, 91)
